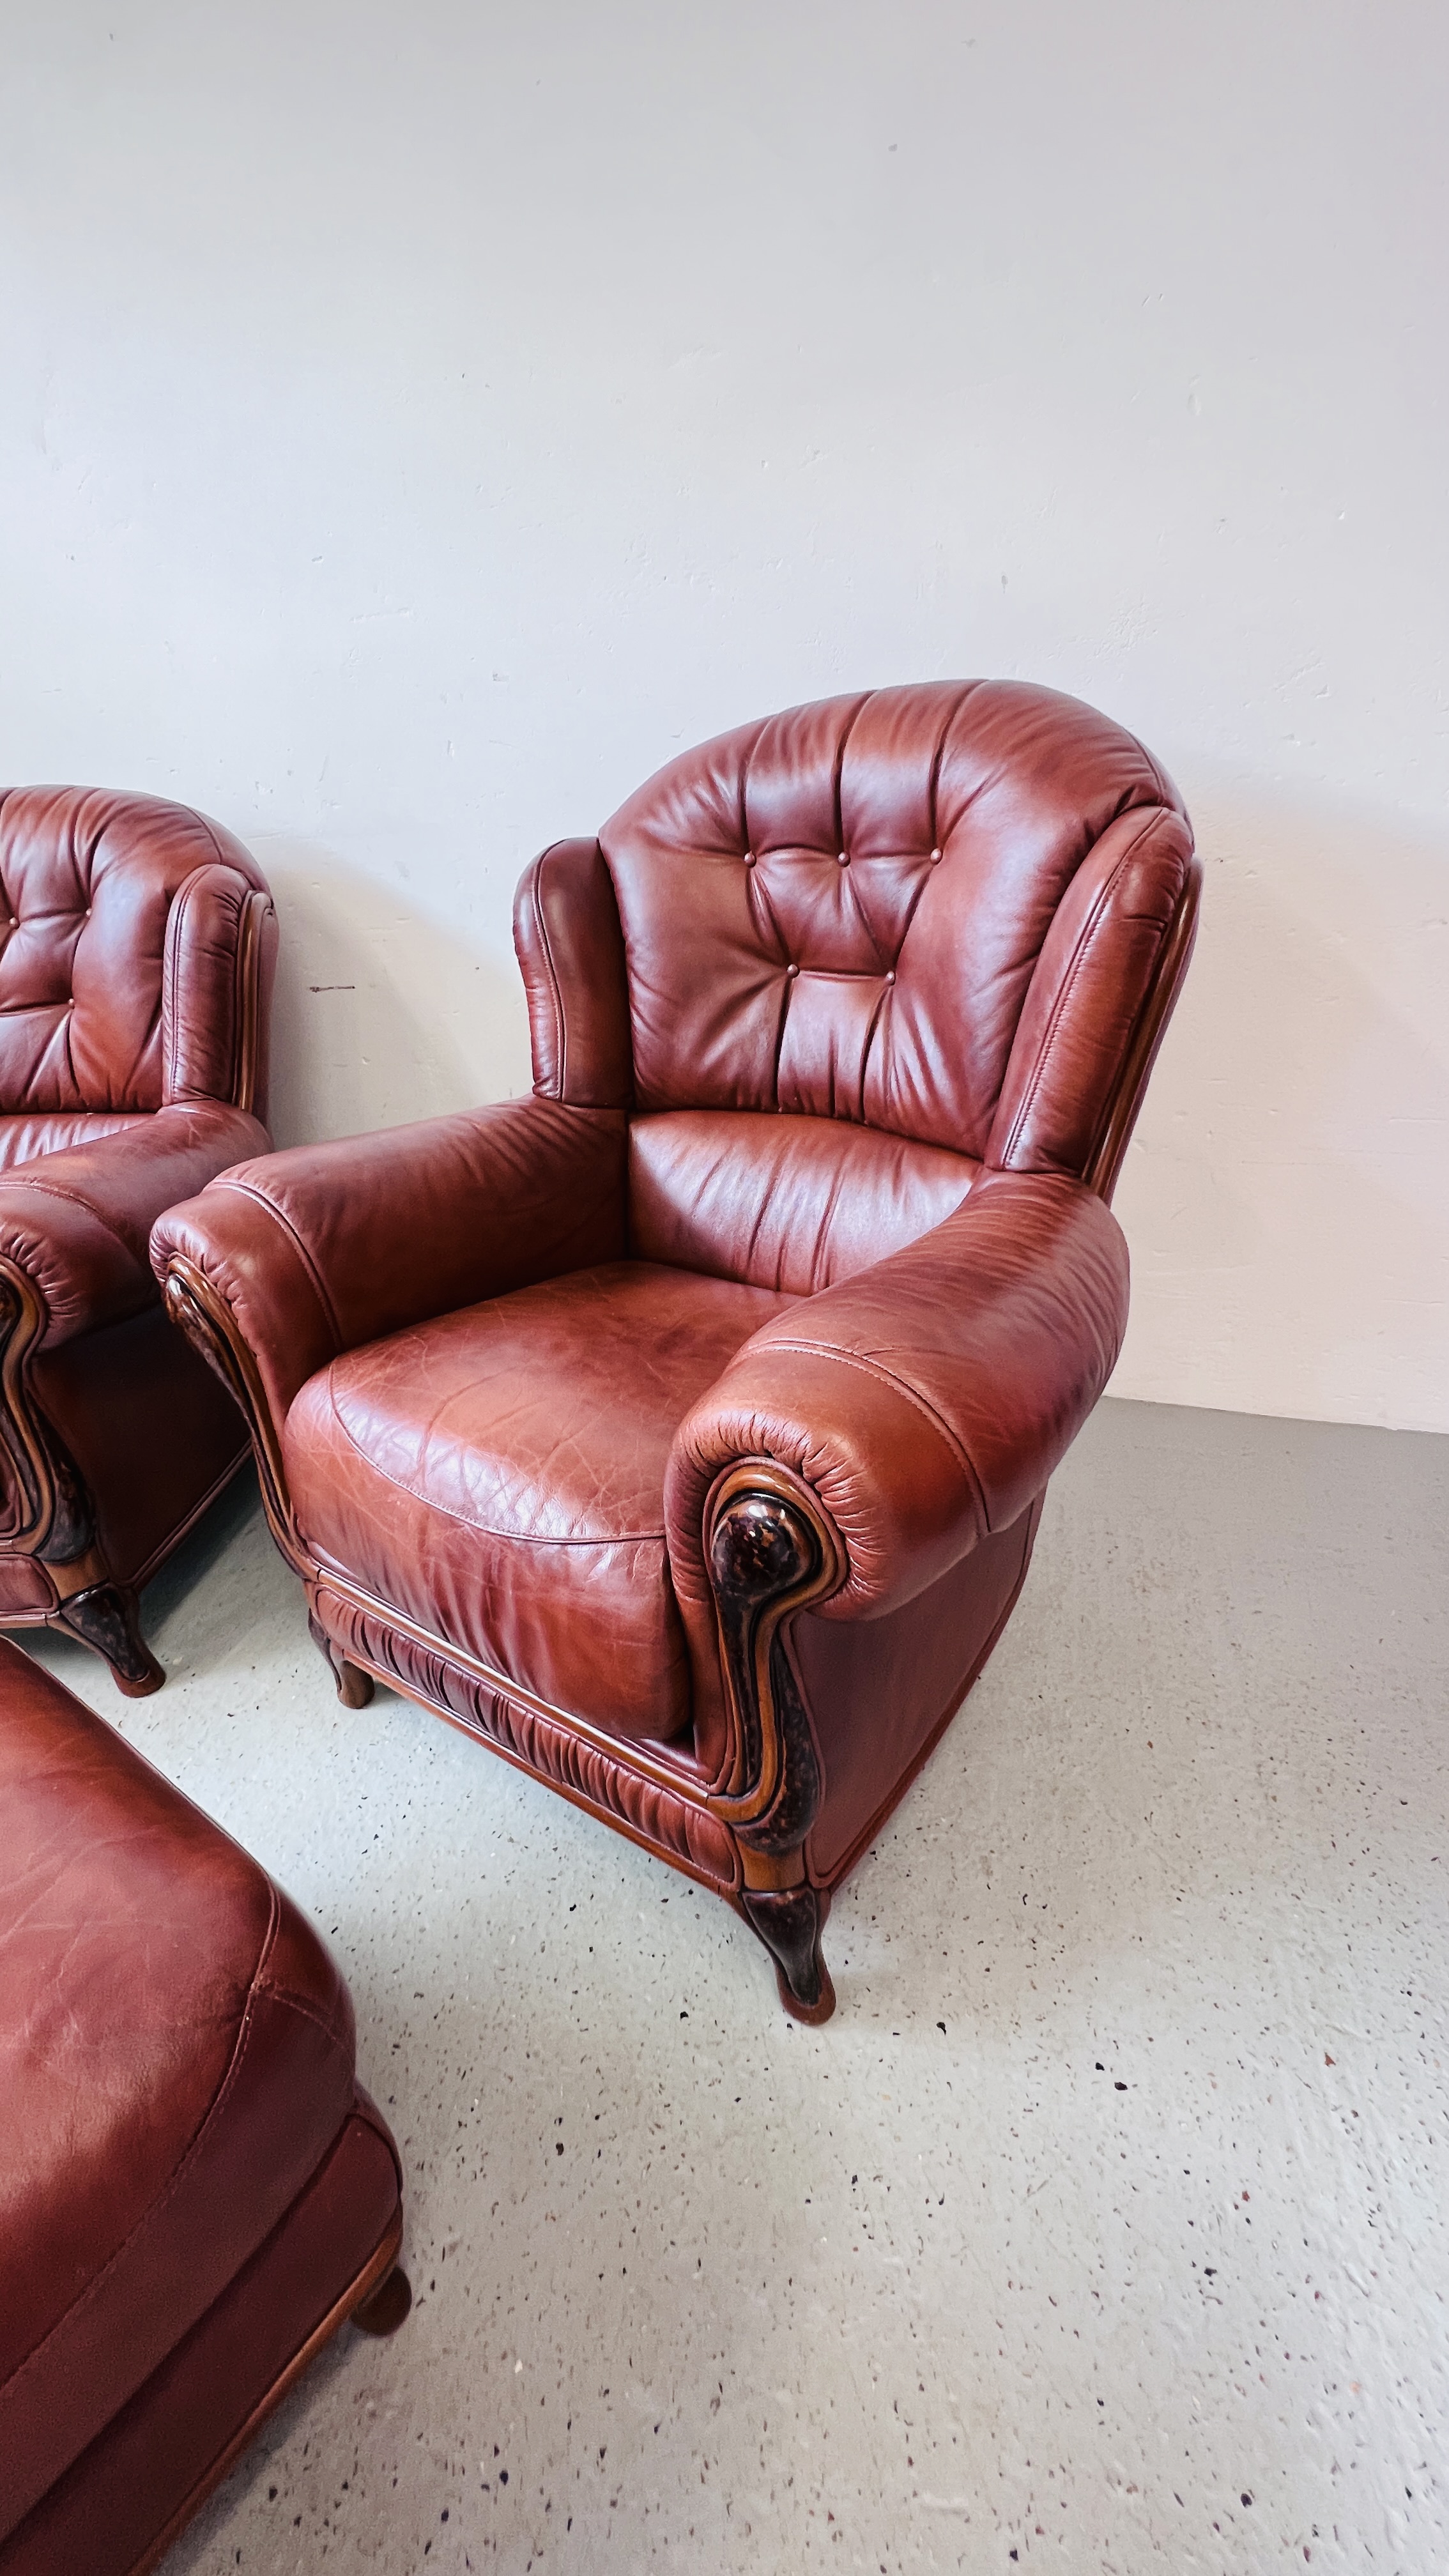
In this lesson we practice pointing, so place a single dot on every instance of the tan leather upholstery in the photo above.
(594, 1419)
(137, 949)
(176, 2065)
(477, 1511)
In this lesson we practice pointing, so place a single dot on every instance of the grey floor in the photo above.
(1105, 2226)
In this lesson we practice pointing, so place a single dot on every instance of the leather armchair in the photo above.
(682, 1431)
(137, 950)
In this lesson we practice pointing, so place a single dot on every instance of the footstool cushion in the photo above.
(177, 2092)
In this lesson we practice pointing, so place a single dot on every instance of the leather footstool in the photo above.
(194, 2191)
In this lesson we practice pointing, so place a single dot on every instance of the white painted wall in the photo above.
(418, 421)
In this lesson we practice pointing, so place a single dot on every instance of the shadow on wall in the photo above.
(381, 1015)
(1287, 1195)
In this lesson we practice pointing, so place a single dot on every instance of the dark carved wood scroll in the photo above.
(54, 1519)
(197, 1311)
(770, 1556)
(106, 1619)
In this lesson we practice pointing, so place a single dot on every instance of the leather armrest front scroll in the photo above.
(76, 1224)
(314, 1251)
(924, 1402)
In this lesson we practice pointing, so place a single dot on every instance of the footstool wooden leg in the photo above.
(383, 2310)
(107, 1618)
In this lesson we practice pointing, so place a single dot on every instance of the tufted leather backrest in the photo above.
(136, 946)
(953, 916)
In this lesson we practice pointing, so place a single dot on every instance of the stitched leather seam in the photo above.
(221, 857)
(153, 2207)
(561, 1037)
(1069, 983)
(307, 2010)
(851, 722)
(168, 982)
(249, 1190)
(1159, 776)
(1113, 1094)
(899, 1385)
(464, 1520)
(760, 729)
(872, 1025)
(853, 899)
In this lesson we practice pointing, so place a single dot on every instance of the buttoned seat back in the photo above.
(836, 963)
(127, 962)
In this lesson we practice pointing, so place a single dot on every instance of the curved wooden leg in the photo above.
(383, 2310)
(354, 1686)
(107, 1618)
(790, 1920)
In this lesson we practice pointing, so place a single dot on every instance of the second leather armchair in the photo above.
(682, 1431)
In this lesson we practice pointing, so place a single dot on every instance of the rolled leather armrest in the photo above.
(321, 1248)
(77, 1223)
(926, 1401)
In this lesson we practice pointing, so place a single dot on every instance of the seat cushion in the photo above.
(793, 1203)
(176, 2059)
(498, 1476)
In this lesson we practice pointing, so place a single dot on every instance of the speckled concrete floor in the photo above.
(1105, 2227)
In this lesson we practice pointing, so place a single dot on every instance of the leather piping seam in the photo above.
(1167, 794)
(177, 2176)
(248, 1189)
(247, 1003)
(222, 859)
(899, 1386)
(561, 1036)
(623, 1749)
(851, 721)
(876, 1016)
(308, 2011)
(1069, 982)
(168, 984)
(1148, 1030)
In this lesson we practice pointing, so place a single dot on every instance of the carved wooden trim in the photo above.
(1106, 1159)
(624, 1750)
(208, 1324)
(58, 1522)
(769, 1555)
(249, 998)
(789, 1921)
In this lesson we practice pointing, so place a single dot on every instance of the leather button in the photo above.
(890, 979)
(935, 858)
(844, 859)
(749, 858)
(792, 970)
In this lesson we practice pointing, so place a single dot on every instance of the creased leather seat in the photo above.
(137, 949)
(191, 2184)
(684, 1429)
(440, 1468)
